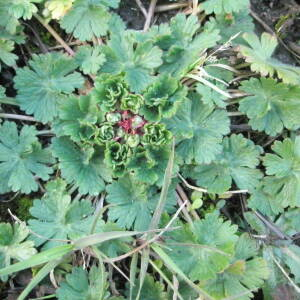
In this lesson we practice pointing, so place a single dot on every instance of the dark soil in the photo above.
(283, 13)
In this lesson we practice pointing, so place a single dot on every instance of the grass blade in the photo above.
(98, 238)
(42, 273)
(38, 259)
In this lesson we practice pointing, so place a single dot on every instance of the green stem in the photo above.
(242, 66)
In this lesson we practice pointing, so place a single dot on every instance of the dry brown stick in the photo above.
(150, 14)
(141, 7)
(167, 7)
(184, 197)
(55, 34)
(186, 215)
(269, 29)
(195, 7)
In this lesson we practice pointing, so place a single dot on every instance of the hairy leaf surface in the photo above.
(13, 245)
(237, 162)
(198, 129)
(83, 167)
(21, 159)
(272, 105)
(45, 84)
(259, 54)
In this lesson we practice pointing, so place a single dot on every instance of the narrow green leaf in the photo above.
(38, 259)
(133, 271)
(98, 238)
(164, 192)
(42, 273)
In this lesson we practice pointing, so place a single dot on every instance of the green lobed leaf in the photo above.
(163, 98)
(83, 167)
(259, 53)
(88, 18)
(196, 124)
(8, 58)
(56, 217)
(237, 162)
(77, 118)
(124, 54)
(13, 245)
(89, 59)
(21, 159)
(149, 163)
(245, 274)
(211, 97)
(83, 285)
(271, 106)
(204, 248)
(223, 6)
(231, 24)
(151, 290)
(45, 84)
(182, 46)
(133, 203)
(23, 8)
(284, 166)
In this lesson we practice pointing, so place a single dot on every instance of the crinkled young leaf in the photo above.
(223, 6)
(163, 98)
(203, 249)
(183, 46)
(23, 8)
(272, 106)
(89, 59)
(284, 166)
(124, 54)
(109, 89)
(198, 129)
(246, 273)
(151, 290)
(21, 159)
(106, 133)
(13, 246)
(83, 285)
(149, 163)
(77, 115)
(259, 54)
(156, 134)
(116, 157)
(134, 203)
(231, 25)
(237, 162)
(132, 102)
(45, 84)
(83, 167)
(88, 18)
(56, 217)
